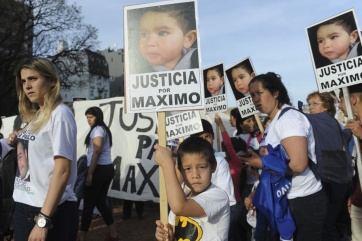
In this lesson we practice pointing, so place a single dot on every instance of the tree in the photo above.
(33, 28)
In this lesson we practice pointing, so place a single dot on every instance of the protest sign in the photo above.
(182, 124)
(335, 46)
(239, 77)
(214, 87)
(162, 57)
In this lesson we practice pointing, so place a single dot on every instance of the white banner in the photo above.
(162, 60)
(134, 135)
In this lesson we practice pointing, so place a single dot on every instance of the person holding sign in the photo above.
(291, 130)
(214, 81)
(355, 199)
(231, 146)
(201, 212)
(167, 37)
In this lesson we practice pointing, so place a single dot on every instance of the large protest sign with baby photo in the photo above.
(335, 46)
(214, 85)
(239, 77)
(162, 57)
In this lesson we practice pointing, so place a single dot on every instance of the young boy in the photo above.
(221, 177)
(337, 39)
(166, 38)
(202, 213)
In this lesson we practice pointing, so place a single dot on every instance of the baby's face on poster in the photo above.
(214, 81)
(333, 41)
(161, 40)
(241, 79)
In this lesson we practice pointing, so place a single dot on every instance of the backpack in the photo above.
(82, 170)
(334, 161)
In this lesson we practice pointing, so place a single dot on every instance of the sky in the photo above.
(271, 33)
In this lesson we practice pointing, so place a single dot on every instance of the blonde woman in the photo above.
(45, 205)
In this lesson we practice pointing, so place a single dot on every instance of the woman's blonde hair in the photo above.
(38, 118)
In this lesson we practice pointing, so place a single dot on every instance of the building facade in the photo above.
(115, 60)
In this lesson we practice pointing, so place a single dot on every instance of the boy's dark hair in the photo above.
(196, 145)
(346, 21)
(238, 144)
(183, 12)
(207, 128)
(354, 89)
(273, 83)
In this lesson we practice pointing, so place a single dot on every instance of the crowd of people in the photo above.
(211, 195)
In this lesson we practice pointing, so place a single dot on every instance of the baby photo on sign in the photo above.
(161, 38)
(214, 80)
(334, 40)
(239, 77)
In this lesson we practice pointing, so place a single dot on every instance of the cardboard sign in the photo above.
(214, 86)
(335, 46)
(246, 107)
(239, 76)
(182, 124)
(162, 57)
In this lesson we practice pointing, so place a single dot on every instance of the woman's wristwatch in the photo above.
(43, 222)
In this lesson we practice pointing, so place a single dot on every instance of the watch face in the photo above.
(41, 222)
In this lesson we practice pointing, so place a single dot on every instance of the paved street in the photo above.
(131, 229)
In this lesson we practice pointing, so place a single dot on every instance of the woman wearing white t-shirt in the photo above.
(100, 174)
(306, 198)
(45, 203)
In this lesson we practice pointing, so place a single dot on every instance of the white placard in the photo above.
(162, 57)
(336, 63)
(246, 107)
(182, 124)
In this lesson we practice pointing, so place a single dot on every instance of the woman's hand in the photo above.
(12, 139)
(88, 180)
(38, 234)
(161, 233)
(248, 203)
(253, 161)
(355, 127)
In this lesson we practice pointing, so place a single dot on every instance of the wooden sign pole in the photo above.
(260, 125)
(162, 188)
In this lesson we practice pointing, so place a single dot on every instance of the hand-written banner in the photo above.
(134, 135)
